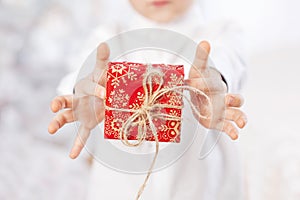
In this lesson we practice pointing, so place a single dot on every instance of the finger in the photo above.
(229, 129)
(90, 88)
(237, 116)
(201, 58)
(234, 100)
(102, 56)
(99, 73)
(61, 102)
(83, 135)
(60, 120)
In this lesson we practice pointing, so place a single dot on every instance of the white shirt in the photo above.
(219, 175)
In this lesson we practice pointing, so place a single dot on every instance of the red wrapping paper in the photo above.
(124, 89)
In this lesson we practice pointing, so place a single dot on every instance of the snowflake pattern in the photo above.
(120, 72)
(121, 76)
(174, 97)
(110, 131)
(118, 97)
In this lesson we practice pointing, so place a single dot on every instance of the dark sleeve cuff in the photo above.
(222, 77)
(224, 80)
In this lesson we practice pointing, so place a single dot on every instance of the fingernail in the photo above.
(72, 156)
(230, 101)
(241, 122)
(50, 130)
(235, 137)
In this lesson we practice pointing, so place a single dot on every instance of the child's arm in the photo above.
(224, 112)
(90, 93)
(85, 106)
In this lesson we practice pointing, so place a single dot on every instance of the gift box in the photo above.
(145, 92)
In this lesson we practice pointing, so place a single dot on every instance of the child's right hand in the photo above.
(225, 108)
(85, 106)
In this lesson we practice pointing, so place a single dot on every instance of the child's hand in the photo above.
(225, 107)
(86, 106)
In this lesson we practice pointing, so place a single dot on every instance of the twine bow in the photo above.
(149, 109)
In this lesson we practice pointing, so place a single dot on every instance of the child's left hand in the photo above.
(224, 110)
(86, 107)
(88, 110)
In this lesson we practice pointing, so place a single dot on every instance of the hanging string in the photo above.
(148, 110)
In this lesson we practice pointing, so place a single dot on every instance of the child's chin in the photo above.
(163, 18)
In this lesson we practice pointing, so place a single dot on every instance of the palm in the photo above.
(88, 110)
(220, 112)
(86, 106)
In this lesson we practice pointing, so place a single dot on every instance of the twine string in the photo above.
(148, 110)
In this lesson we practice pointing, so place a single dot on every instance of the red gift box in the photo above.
(125, 90)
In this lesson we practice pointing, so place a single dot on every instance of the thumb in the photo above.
(201, 59)
(103, 53)
(102, 58)
(80, 141)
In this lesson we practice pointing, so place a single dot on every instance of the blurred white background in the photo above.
(37, 37)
